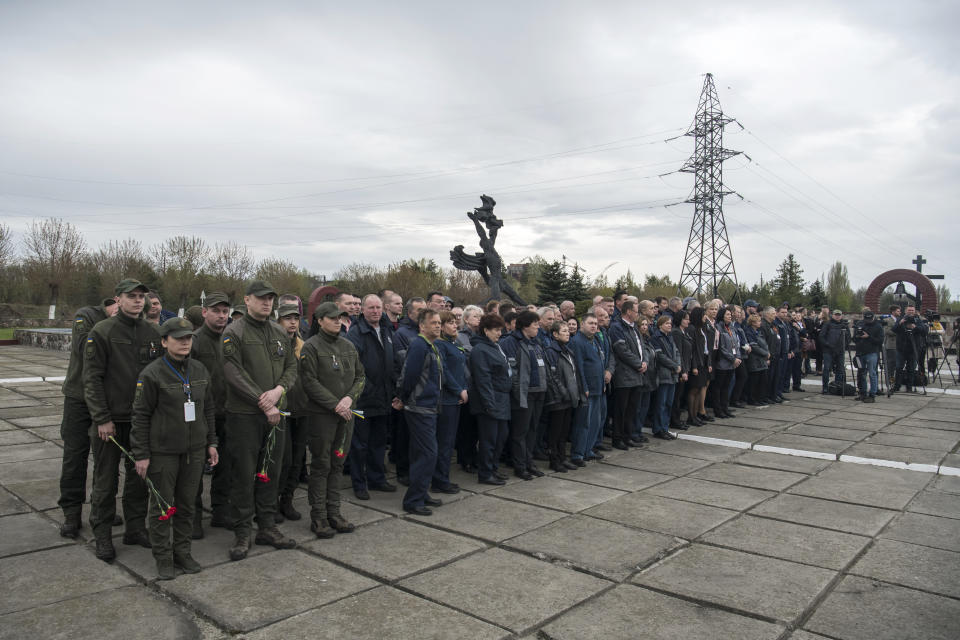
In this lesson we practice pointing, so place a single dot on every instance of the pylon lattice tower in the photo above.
(708, 260)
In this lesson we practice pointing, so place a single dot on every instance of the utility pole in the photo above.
(708, 260)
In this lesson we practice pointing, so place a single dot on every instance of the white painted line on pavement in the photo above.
(795, 452)
(949, 471)
(722, 442)
(55, 378)
(893, 464)
(16, 380)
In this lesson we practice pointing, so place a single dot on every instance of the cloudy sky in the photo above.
(331, 133)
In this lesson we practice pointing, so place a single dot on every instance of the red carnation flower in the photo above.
(262, 477)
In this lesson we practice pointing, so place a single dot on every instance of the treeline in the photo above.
(53, 265)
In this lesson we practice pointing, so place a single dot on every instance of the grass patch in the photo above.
(6, 334)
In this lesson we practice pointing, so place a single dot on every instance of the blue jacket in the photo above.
(421, 379)
(588, 356)
(784, 331)
(404, 335)
(454, 359)
(668, 357)
(378, 362)
(489, 379)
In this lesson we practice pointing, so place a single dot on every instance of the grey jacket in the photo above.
(729, 350)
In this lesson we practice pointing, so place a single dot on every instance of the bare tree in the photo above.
(55, 251)
(180, 262)
(230, 266)
(119, 259)
(285, 276)
(6, 245)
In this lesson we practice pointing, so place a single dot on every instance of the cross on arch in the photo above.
(919, 261)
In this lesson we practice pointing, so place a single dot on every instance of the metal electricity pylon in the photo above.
(709, 259)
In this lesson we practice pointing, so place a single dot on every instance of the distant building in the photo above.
(517, 271)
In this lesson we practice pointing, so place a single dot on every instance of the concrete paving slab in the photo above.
(40, 412)
(763, 586)
(555, 493)
(7, 426)
(782, 462)
(806, 635)
(28, 532)
(17, 436)
(825, 513)
(806, 443)
(628, 612)
(932, 531)
(831, 420)
(39, 494)
(299, 530)
(946, 415)
(913, 441)
(286, 583)
(655, 462)
(761, 422)
(10, 504)
(941, 425)
(860, 413)
(572, 542)
(120, 613)
(912, 566)
(412, 548)
(492, 519)
(25, 471)
(947, 437)
(951, 460)
(398, 615)
(622, 478)
(789, 541)
(471, 483)
(863, 484)
(476, 585)
(727, 432)
(935, 503)
(898, 454)
(715, 494)
(18, 400)
(32, 451)
(666, 515)
(51, 434)
(946, 484)
(756, 477)
(831, 433)
(691, 449)
(862, 609)
(35, 579)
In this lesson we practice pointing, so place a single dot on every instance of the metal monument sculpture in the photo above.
(488, 264)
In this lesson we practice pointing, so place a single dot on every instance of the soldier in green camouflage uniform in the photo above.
(75, 426)
(259, 368)
(115, 352)
(172, 434)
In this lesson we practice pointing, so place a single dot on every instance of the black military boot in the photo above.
(105, 550)
(286, 508)
(274, 537)
(70, 527)
(241, 545)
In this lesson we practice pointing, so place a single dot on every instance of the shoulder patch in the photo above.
(228, 347)
(91, 348)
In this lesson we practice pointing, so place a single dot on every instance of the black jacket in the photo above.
(873, 341)
(489, 379)
(565, 389)
(379, 366)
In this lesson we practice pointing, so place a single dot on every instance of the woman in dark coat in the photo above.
(565, 392)
(700, 366)
(490, 396)
(685, 344)
(728, 359)
(758, 360)
(668, 373)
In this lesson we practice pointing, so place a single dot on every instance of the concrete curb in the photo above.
(35, 379)
(821, 455)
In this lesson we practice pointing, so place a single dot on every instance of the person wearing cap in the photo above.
(750, 307)
(195, 315)
(115, 352)
(868, 337)
(259, 368)
(238, 312)
(288, 317)
(330, 381)
(75, 425)
(834, 338)
(172, 434)
(207, 348)
(372, 336)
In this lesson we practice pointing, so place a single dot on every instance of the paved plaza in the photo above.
(679, 540)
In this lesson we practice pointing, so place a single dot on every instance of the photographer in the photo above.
(911, 333)
(890, 358)
(834, 338)
(868, 336)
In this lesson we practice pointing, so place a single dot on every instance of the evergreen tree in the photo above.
(788, 283)
(626, 283)
(816, 296)
(552, 283)
(575, 288)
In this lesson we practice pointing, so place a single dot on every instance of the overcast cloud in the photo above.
(330, 133)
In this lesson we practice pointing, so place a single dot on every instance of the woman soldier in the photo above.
(173, 423)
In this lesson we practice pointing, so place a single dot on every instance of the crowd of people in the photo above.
(249, 390)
